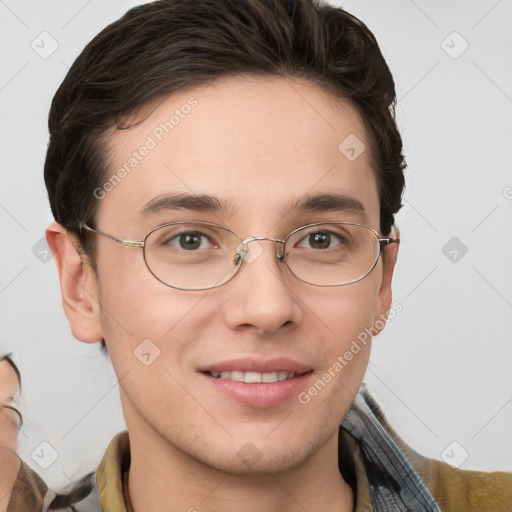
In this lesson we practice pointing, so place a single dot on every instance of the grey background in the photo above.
(441, 369)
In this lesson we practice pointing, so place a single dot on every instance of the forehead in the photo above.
(258, 145)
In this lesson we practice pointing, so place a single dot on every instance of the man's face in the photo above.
(259, 146)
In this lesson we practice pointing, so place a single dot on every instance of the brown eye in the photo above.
(320, 240)
(190, 241)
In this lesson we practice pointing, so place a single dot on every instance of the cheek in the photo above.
(151, 335)
(348, 315)
(348, 310)
(138, 312)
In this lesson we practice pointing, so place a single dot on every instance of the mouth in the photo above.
(258, 383)
(255, 377)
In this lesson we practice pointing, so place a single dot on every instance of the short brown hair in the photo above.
(161, 47)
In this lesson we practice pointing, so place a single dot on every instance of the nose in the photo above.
(261, 296)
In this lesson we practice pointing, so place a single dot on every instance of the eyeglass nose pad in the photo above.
(241, 253)
(247, 253)
(281, 256)
(238, 258)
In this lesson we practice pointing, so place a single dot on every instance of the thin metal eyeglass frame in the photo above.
(383, 241)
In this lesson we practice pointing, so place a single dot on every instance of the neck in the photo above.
(162, 478)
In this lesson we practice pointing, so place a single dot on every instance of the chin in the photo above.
(260, 463)
(255, 455)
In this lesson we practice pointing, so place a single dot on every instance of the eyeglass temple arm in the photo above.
(387, 241)
(123, 243)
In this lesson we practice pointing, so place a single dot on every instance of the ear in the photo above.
(385, 296)
(78, 284)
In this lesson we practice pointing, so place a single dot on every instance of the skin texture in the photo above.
(9, 421)
(261, 145)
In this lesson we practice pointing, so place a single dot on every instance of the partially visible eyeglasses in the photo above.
(201, 255)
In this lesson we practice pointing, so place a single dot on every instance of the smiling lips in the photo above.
(259, 383)
(251, 370)
(254, 377)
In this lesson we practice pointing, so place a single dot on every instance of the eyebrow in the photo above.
(193, 202)
(207, 203)
(328, 203)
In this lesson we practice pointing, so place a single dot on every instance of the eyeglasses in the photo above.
(200, 255)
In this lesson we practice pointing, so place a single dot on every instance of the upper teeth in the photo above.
(254, 377)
